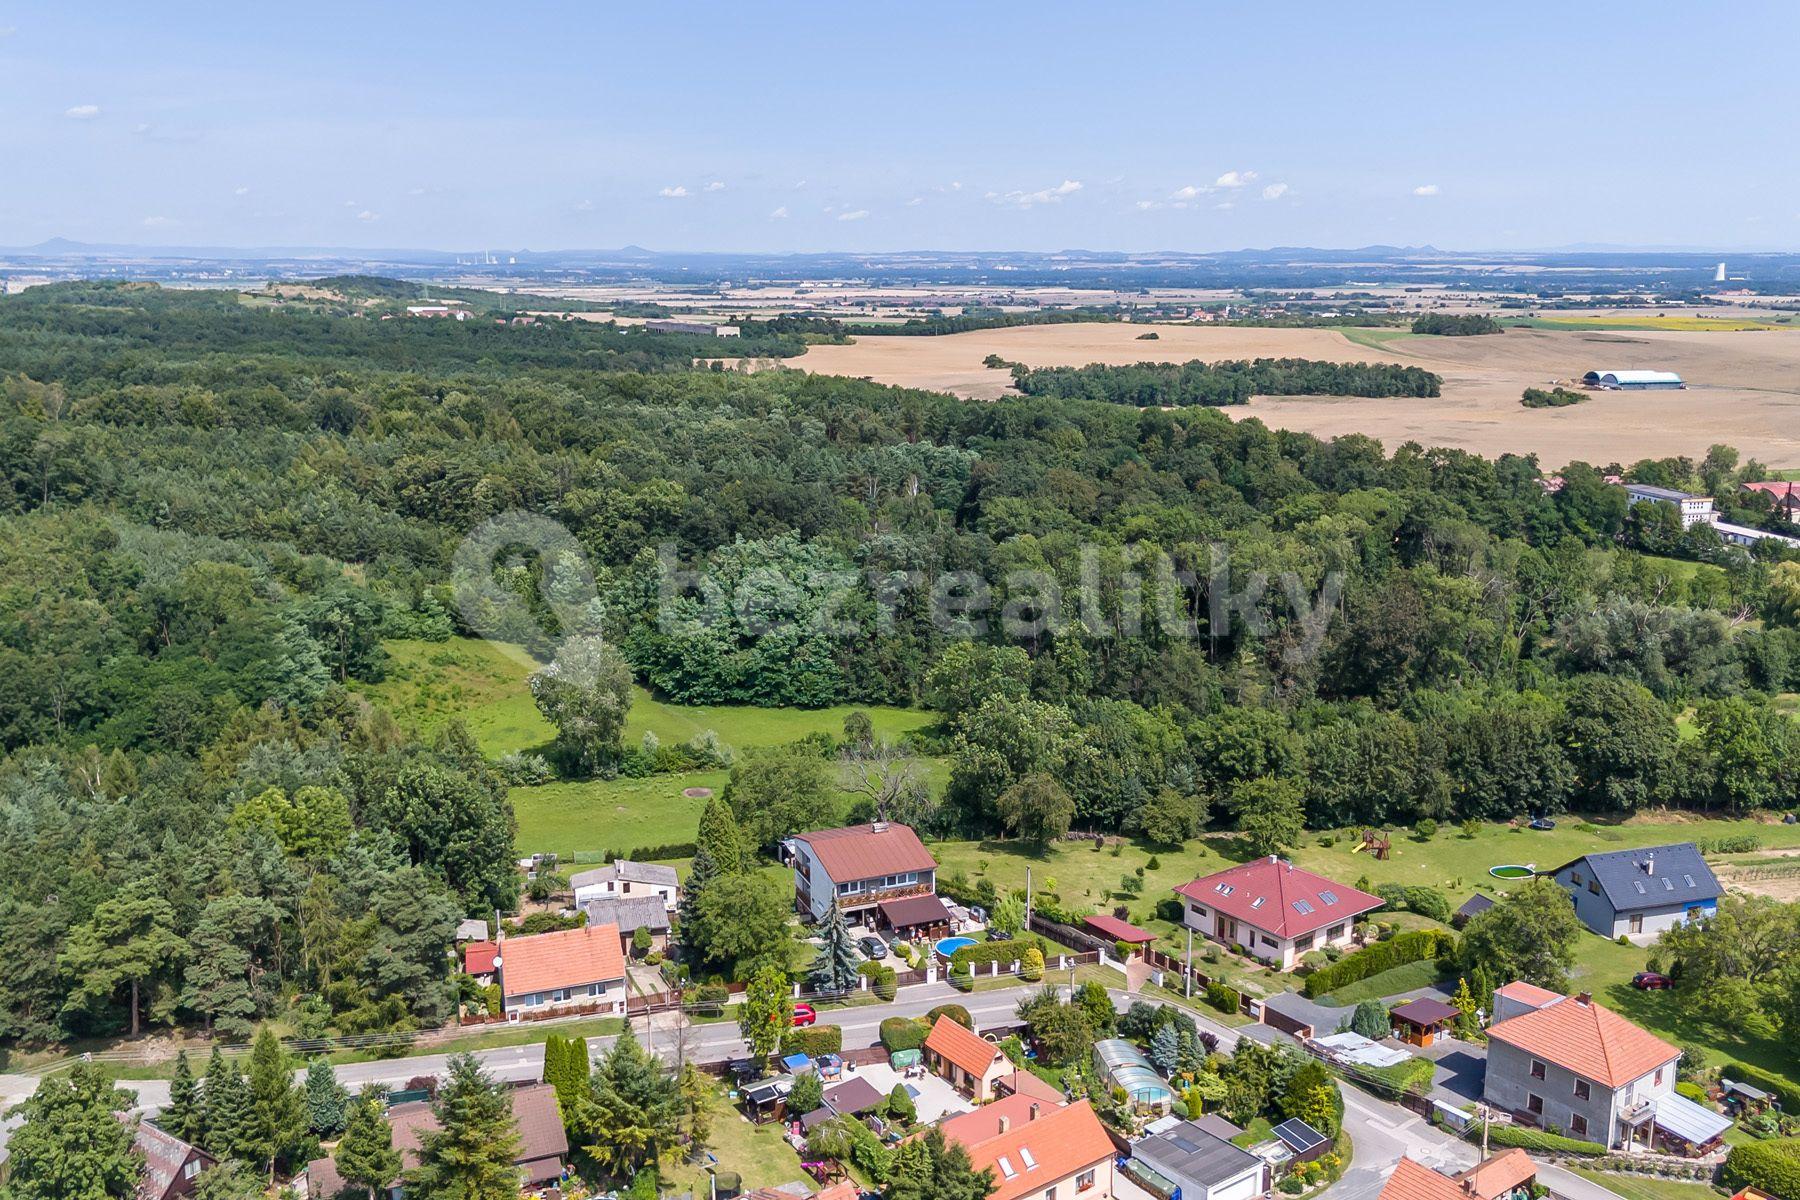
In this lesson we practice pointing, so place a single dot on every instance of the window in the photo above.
(1006, 1167)
(1534, 1104)
(1689, 880)
(1337, 931)
(1328, 897)
(1084, 1181)
(1657, 1082)
(190, 1168)
(1537, 1069)
(1050, 1193)
(1594, 886)
(1581, 1089)
(1197, 910)
(1026, 1158)
(1303, 906)
(1578, 1125)
(1258, 902)
(1639, 885)
(1575, 878)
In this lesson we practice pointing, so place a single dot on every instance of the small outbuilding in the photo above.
(1306, 1143)
(1633, 381)
(1124, 1066)
(1473, 907)
(1114, 929)
(1421, 1022)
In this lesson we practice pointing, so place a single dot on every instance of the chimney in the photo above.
(878, 827)
(1650, 864)
(1034, 1112)
(1005, 1124)
(1585, 999)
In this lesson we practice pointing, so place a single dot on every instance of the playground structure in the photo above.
(1376, 842)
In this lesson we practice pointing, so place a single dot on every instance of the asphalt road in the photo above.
(1380, 1132)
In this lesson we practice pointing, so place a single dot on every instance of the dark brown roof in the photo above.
(865, 851)
(914, 910)
(164, 1156)
(542, 1141)
(1426, 1011)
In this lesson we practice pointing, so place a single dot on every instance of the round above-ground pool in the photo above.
(945, 947)
(1511, 871)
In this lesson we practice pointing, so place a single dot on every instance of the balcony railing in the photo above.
(877, 895)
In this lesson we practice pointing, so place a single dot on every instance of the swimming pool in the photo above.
(945, 947)
(1511, 871)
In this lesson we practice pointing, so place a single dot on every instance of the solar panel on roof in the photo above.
(1298, 1134)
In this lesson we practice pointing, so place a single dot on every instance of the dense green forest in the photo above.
(1177, 385)
(1457, 324)
(214, 514)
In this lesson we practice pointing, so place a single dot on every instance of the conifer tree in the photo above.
(325, 1100)
(720, 836)
(72, 1145)
(277, 1107)
(834, 970)
(366, 1155)
(469, 1156)
(182, 1116)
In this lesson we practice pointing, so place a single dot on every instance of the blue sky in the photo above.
(972, 125)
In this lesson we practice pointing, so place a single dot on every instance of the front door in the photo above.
(1637, 922)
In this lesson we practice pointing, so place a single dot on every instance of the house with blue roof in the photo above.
(1640, 893)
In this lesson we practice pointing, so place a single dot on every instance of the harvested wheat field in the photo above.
(1743, 387)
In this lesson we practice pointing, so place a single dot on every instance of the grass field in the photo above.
(484, 683)
(1682, 324)
(755, 1152)
(1636, 1187)
(1388, 983)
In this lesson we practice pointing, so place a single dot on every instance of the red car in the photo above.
(1650, 981)
(804, 1015)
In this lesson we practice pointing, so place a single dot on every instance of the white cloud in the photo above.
(673, 193)
(1189, 192)
(1049, 195)
(717, 185)
(584, 206)
(7, 31)
(159, 222)
(1225, 204)
(780, 214)
(82, 112)
(243, 191)
(1147, 205)
(1426, 189)
(1275, 191)
(1234, 179)
(855, 214)
(915, 202)
(366, 215)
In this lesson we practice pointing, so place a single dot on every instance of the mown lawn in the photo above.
(1636, 1187)
(755, 1152)
(484, 683)
(1388, 983)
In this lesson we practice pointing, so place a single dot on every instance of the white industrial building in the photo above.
(1633, 381)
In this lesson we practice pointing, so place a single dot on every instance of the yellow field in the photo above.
(1744, 385)
(1654, 321)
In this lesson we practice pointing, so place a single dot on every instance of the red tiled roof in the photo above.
(1499, 1174)
(1415, 1181)
(478, 958)
(962, 1046)
(865, 851)
(1587, 1038)
(1032, 1155)
(1527, 993)
(972, 1128)
(1266, 891)
(545, 962)
(1024, 1083)
(1119, 931)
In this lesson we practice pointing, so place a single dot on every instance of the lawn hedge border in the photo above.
(1774, 1167)
(1780, 1086)
(1397, 951)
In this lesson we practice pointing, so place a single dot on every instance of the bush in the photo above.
(1426, 901)
(1123, 949)
(955, 1012)
(903, 1033)
(1778, 1086)
(1554, 398)
(1772, 1166)
(1031, 967)
(900, 1105)
(1537, 1139)
(813, 1040)
(1223, 997)
(1693, 1091)
(881, 979)
(1383, 956)
(709, 998)
(1742, 843)
(1425, 829)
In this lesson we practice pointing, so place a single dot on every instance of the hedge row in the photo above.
(1779, 1086)
(983, 953)
(1397, 951)
(903, 1033)
(881, 979)
(814, 1040)
(1772, 1166)
(1537, 1139)
(650, 853)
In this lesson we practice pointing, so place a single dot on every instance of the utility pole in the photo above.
(1187, 974)
(1027, 898)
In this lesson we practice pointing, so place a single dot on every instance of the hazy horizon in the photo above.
(707, 128)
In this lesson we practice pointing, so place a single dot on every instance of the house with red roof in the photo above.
(1505, 1176)
(571, 968)
(1272, 910)
(1036, 1149)
(971, 1063)
(864, 867)
(1569, 1065)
